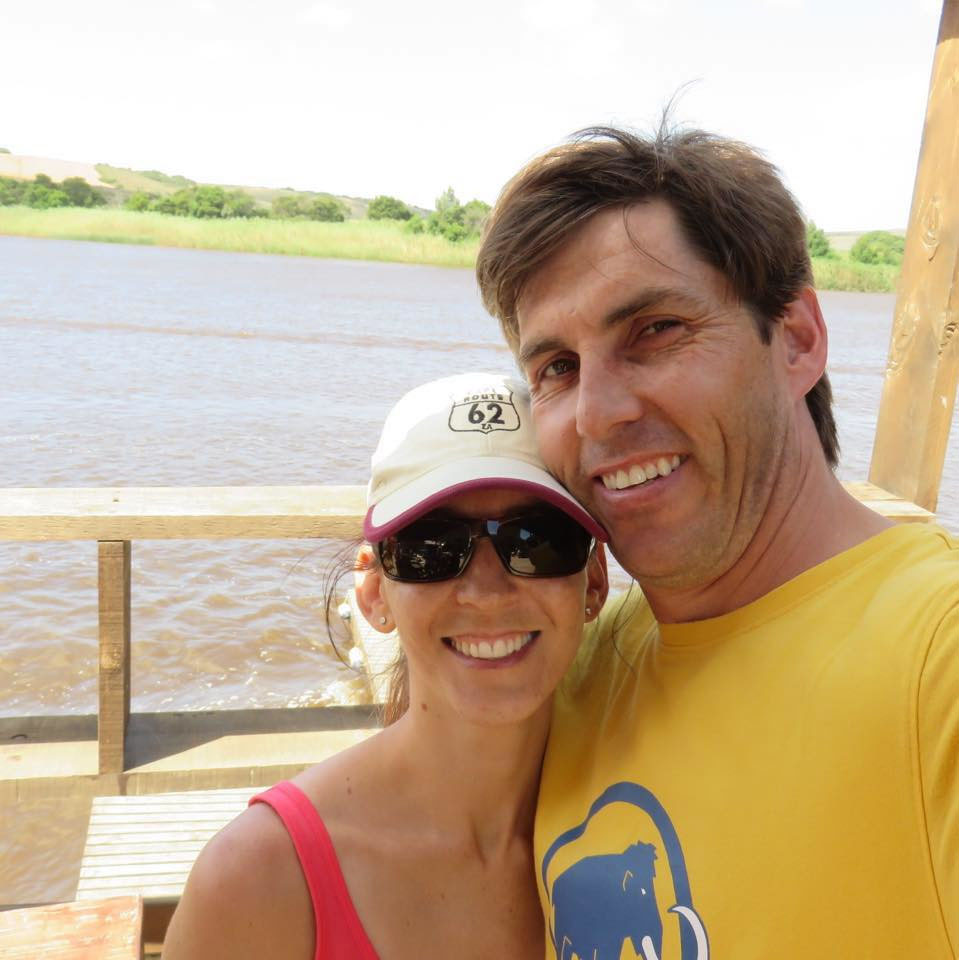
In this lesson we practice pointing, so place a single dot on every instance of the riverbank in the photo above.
(383, 240)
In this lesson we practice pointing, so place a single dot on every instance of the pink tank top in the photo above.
(339, 932)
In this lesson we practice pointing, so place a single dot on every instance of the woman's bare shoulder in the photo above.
(246, 897)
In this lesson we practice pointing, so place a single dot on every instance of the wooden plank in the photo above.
(114, 671)
(101, 929)
(181, 513)
(888, 504)
(132, 823)
(919, 391)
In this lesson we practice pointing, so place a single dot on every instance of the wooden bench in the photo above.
(146, 845)
(90, 930)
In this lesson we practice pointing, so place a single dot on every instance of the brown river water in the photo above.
(142, 366)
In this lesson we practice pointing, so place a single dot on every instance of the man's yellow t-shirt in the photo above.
(780, 782)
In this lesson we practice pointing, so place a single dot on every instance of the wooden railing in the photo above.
(117, 516)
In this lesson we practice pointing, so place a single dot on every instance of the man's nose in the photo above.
(607, 397)
(485, 581)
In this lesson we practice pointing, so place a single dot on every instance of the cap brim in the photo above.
(427, 492)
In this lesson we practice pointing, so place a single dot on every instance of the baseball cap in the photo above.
(467, 432)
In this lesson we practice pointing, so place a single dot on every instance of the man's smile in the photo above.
(638, 473)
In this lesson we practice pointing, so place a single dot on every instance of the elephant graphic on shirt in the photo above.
(601, 901)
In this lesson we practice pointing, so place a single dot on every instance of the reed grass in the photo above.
(841, 273)
(353, 240)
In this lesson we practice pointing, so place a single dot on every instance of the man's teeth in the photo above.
(484, 650)
(637, 474)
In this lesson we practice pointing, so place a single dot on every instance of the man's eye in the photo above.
(557, 368)
(658, 326)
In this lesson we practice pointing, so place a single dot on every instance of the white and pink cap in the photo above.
(449, 436)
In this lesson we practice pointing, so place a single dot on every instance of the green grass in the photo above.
(353, 240)
(841, 273)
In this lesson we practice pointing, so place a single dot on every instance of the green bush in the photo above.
(287, 207)
(139, 201)
(204, 202)
(415, 224)
(297, 207)
(878, 246)
(388, 208)
(42, 193)
(817, 242)
(4, 150)
(44, 196)
(81, 194)
(325, 209)
(454, 220)
(11, 191)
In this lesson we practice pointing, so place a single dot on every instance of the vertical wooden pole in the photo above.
(919, 392)
(114, 601)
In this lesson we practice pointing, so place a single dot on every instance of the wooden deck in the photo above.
(147, 845)
(96, 930)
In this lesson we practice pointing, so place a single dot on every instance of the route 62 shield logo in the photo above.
(484, 412)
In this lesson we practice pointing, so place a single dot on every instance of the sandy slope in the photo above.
(26, 168)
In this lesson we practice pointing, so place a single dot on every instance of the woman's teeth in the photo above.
(499, 648)
(637, 474)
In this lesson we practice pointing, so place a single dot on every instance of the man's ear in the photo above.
(804, 342)
(370, 598)
(597, 581)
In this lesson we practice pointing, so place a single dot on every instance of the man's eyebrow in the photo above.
(536, 348)
(648, 300)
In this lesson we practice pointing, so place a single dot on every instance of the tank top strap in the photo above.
(339, 930)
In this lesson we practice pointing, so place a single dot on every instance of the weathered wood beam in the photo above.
(114, 683)
(919, 392)
(181, 513)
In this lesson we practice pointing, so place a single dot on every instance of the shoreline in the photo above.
(379, 240)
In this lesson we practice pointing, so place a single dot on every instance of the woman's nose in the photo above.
(485, 579)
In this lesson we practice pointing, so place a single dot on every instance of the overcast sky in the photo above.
(361, 97)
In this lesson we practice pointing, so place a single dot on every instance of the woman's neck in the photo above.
(462, 778)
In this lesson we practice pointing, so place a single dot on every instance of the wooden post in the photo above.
(919, 392)
(114, 602)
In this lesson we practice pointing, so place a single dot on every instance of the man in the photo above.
(756, 757)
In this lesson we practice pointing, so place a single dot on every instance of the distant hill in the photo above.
(26, 168)
(119, 182)
(844, 240)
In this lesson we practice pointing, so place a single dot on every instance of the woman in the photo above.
(416, 843)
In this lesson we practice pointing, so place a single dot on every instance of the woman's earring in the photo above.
(383, 621)
(589, 611)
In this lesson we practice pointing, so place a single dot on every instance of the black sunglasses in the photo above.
(542, 543)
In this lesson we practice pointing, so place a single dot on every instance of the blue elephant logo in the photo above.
(599, 902)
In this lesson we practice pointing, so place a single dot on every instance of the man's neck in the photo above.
(806, 522)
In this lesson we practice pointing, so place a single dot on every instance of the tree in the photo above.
(140, 201)
(388, 208)
(474, 216)
(287, 207)
(11, 191)
(878, 246)
(44, 196)
(326, 209)
(238, 203)
(81, 194)
(816, 241)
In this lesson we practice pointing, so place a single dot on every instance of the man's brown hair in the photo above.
(732, 206)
